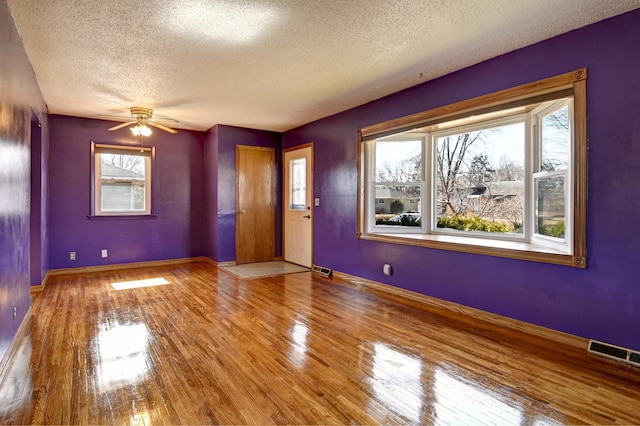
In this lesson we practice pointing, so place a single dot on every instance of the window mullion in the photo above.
(570, 179)
(97, 183)
(429, 176)
(148, 179)
(370, 148)
(530, 164)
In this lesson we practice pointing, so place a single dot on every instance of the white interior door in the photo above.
(298, 206)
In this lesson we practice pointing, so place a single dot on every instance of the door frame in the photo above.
(284, 194)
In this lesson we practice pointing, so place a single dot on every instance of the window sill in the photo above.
(123, 217)
(508, 249)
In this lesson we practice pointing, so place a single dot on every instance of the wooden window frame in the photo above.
(569, 84)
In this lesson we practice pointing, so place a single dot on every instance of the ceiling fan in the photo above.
(143, 118)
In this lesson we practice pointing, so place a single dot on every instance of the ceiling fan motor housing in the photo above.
(141, 113)
(141, 117)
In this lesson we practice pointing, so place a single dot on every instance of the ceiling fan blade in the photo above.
(120, 126)
(165, 119)
(112, 116)
(162, 127)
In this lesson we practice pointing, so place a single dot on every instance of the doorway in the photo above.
(298, 202)
(255, 210)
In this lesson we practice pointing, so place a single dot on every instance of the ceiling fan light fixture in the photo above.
(141, 119)
(141, 130)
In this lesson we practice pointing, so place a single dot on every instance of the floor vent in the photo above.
(325, 272)
(614, 352)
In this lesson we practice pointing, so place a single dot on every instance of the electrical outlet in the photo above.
(105, 253)
(387, 269)
(72, 255)
(15, 311)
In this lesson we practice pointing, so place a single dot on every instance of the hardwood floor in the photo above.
(206, 347)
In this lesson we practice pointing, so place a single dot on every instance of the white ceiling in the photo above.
(269, 64)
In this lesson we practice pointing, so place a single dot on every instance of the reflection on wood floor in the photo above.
(188, 344)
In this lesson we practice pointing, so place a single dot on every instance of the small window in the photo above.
(121, 180)
(298, 189)
(503, 174)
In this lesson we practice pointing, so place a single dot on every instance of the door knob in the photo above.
(243, 211)
(307, 216)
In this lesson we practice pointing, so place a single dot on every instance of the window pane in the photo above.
(398, 205)
(123, 196)
(555, 141)
(398, 161)
(550, 206)
(122, 166)
(480, 180)
(298, 190)
(122, 182)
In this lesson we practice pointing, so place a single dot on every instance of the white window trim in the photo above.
(565, 245)
(561, 86)
(519, 118)
(371, 189)
(96, 180)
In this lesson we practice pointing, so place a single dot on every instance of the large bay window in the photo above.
(503, 174)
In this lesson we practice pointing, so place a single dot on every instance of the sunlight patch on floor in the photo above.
(151, 282)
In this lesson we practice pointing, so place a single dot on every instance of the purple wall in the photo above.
(601, 302)
(194, 190)
(211, 192)
(19, 94)
(221, 150)
(39, 257)
(176, 231)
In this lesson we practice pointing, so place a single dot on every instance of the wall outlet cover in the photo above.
(386, 269)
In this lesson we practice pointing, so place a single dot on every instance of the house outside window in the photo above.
(121, 180)
(506, 177)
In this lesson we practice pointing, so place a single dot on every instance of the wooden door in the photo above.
(298, 205)
(255, 215)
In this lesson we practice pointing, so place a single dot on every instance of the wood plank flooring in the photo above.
(208, 348)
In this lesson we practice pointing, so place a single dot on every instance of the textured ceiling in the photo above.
(269, 64)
